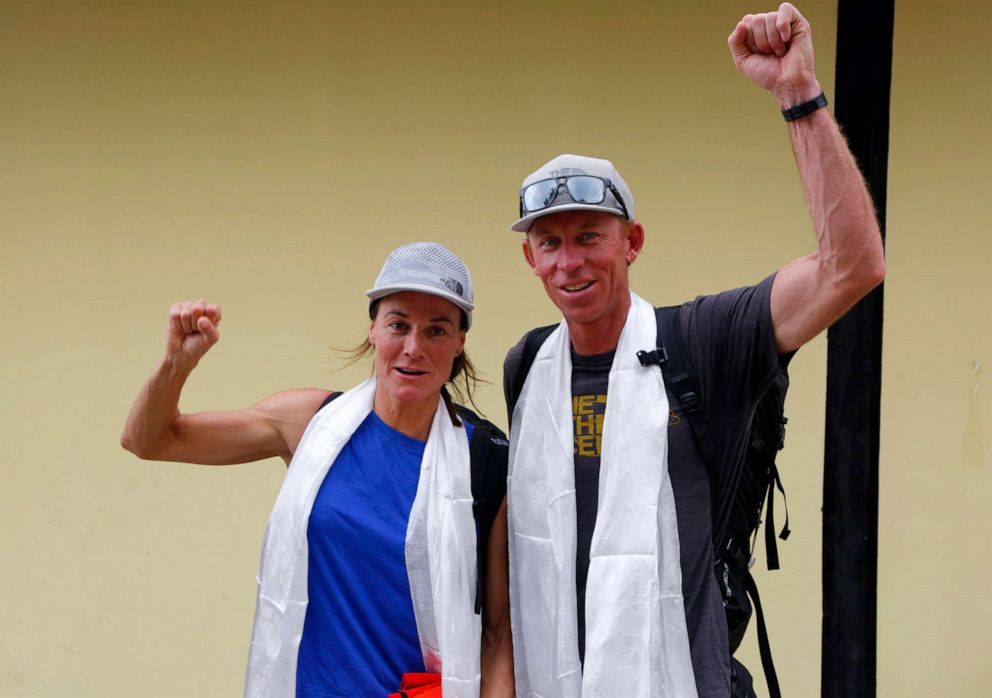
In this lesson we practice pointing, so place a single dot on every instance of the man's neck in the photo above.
(600, 336)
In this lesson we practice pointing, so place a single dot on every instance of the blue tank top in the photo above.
(360, 633)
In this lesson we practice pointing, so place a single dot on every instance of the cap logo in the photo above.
(567, 172)
(453, 285)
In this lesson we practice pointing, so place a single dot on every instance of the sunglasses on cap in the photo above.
(584, 189)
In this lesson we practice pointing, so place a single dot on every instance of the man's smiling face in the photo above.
(581, 258)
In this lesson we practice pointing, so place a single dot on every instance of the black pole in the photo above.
(854, 371)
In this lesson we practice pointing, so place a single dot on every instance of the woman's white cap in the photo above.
(426, 267)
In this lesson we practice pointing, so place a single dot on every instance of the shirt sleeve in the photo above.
(730, 345)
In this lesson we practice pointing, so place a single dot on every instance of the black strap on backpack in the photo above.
(488, 453)
(513, 385)
(766, 438)
(739, 489)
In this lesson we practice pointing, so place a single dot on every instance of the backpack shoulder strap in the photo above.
(673, 364)
(679, 378)
(489, 452)
(329, 399)
(513, 384)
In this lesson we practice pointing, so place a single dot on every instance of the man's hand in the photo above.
(191, 330)
(775, 50)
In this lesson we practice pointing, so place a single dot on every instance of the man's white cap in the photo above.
(425, 267)
(567, 166)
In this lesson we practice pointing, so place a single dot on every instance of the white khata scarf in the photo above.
(637, 643)
(440, 554)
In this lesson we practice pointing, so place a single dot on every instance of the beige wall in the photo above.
(269, 156)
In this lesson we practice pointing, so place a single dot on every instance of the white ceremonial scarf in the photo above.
(440, 554)
(637, 643)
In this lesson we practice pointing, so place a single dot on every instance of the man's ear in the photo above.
(635, 240)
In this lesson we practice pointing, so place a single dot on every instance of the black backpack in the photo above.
(738, 489)
(488, 453)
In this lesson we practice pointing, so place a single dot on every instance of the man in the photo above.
(612, 586)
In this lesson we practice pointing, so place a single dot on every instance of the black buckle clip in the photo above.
(653, 358)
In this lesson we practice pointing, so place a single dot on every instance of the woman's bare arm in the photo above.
(157, 430)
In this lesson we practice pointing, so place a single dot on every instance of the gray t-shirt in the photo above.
(730, 347)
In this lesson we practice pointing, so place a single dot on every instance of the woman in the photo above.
(368, 567)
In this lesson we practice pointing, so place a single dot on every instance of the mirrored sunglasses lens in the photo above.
(586, 190)
(539, 194)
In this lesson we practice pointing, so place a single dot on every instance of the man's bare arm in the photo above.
(775, 50)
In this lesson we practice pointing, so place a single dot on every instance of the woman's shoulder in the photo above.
(295, 403)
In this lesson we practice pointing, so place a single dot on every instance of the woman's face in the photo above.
(416, 338)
